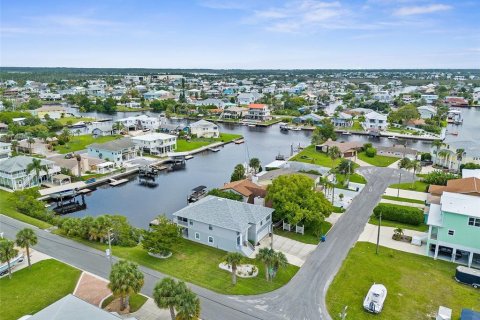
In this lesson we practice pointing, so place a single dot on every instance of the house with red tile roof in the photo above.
(259, 111)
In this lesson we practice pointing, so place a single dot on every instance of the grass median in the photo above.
(377, 160)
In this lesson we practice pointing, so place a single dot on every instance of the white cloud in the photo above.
(414, 10)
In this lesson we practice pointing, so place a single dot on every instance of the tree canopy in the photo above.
(295, 200)
(325, 131)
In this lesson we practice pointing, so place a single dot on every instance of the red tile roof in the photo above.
(257, 106)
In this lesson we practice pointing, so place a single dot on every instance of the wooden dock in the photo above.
(115, 183)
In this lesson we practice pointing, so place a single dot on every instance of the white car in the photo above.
(375, 298)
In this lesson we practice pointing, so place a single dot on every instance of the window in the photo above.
(474, 222)
(261, 223)
(191, 222)
(268, 218)
(210, 239)
(197, 235)
(451, 232)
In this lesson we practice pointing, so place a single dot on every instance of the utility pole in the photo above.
(109, 250)
(399, 180)
(378, 234)
(271, 238)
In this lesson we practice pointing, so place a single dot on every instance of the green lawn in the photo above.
(417, 285)
(308, 237)
(198, 264)
(400, 199)
(31, 290)
(378, 161)
(7, 208)
(128, 109)
(74, 120)
(355, 127)
(355, 177)
(136, 301)
(77, 143)
(192, 144)
(401, 130)
(394, 224)
(417, 186)
(309, 155)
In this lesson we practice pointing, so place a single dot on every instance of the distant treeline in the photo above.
(50, 74)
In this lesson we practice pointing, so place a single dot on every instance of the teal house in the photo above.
(454, 228)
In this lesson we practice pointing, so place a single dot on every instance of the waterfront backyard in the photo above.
(196, 143)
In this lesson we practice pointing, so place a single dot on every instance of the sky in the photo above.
(245, 34)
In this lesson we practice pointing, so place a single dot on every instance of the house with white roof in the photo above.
(156, 143)
(375, 121)
(225, 224)
(116, 151)
(427, 112)
(14, 173)
(454, 227)
(204, 129)
(141, 122)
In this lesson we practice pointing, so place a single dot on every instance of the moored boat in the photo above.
(375, 298)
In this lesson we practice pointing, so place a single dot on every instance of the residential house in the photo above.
(342, 119)
(347, 149)
(225, 224)
(251, 192)
(155, 95)
(427, 112)
(312, 118)
(248, 98)
(452, 157)
(117, 151)
(235, 112)
(399, 151)
(73, 308)
(204, 129)
(259, 112)
(429, 98)
(456, 102)
(141, 122)
(156, 143)
(89, 164)
(15, 176)
(383, 96)
(454, 225)
(53, 111)
(375, 121)
(5, 150)
(220, 104)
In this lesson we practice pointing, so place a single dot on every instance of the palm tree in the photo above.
(7, 253)
(416, 166)
(78, 157)
(265, 255)
(233, 259)
(255, 164)
(125, 279)
(279, 261)
(30, 141)
(37, 166)
(460, 155)
(25, 239)
(118, 127)
(333, 153)
(15, 145)
(188, 304)
(443, 154)
(100, 227)
(165, 295)
(437, 144)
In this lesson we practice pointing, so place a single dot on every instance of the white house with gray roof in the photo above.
(14, 173)
(225, 224)
(117, 151)
(204, 129)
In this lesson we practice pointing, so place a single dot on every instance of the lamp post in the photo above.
(109, 250)
(399, 180)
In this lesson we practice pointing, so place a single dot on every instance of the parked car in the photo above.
(446, 251)
(69, 156)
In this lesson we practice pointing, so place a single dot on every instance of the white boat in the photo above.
(296, 129)
(375, 298)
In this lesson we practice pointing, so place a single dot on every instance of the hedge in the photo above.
(398, 213)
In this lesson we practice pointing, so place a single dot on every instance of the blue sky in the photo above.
(246, 34)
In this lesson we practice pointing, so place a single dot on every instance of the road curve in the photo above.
(302, 298)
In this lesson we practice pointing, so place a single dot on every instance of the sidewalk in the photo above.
(407, 194)
(369, 234)
(149, 311)
(407, 204)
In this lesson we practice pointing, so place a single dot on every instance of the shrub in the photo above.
(439, 177)
(398, 213)
(226, 194)
(426, 156)
(371, 152)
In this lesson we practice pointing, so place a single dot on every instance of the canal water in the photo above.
(169, 192)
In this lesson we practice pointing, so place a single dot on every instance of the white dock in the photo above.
(114, 182)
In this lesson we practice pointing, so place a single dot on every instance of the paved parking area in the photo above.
(92, 289)
(295, 251)
(150, 311)
(369, 234)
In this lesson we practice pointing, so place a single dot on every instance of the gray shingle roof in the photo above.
(115, 145)
(224, 213)
(19, 163)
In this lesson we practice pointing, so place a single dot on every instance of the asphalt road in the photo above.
(302, 298)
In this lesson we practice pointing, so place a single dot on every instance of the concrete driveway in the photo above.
(295, 251)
